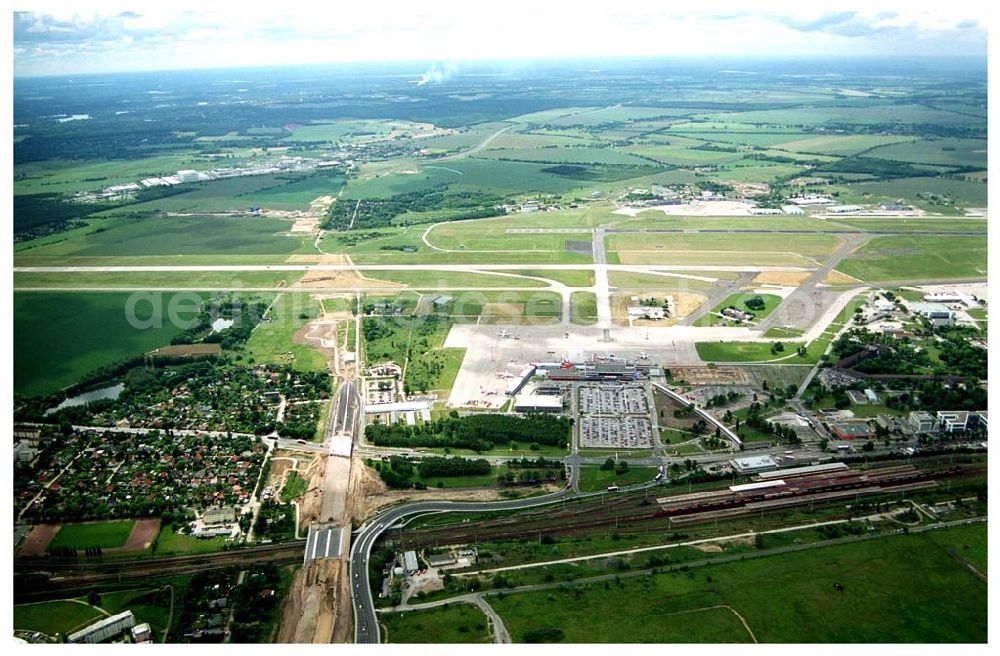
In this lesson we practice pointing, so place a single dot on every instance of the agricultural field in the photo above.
(169, 237)
(571, 154)
(919, 191)
(947, 152)
(47, 359)
(833, 604)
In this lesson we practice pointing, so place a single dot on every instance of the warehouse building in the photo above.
(104, 629)
(851, 430)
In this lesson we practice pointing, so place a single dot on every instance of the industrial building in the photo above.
(955, 421)
(645, 312)
(962, 298)
(410, 562)
(104, 629)
(216, 521)
(920, 422)
(753, 464)
(936, 312)
(538, 403)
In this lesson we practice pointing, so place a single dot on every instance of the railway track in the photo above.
(40, 575)
(689, 509)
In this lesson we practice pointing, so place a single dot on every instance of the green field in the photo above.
(921, 593)
(150, 605)
(595, 479)
(494, 236)
(293, 488)
(272, 340)
(512, 305)
(632, 280)
(171, 280)
(487, 175)
(583, 306)
(949, 152)
(917, 258)
(794, 250)
(752, 352)
(771, 301)
(568, 277)
(840, 144)
(963, 193)
(452, 279)
(581, 155)
(55, 617)
(170, 236)
(62, 176)
(107, 535)
(60, 336)
(453, 623)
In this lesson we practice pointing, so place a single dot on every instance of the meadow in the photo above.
(583, 306)
(272, 340)
(763, 249)
(917, 258)
(60, 336)
(595, 479)
(738, 301)
(453, 623)
(487, 175)
(173, 236)
(834, 603)
(55, 617)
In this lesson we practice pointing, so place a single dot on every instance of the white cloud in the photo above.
(222, 33)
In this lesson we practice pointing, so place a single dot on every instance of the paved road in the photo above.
(805, 304)
(716, 295)
(778, 231)
(366, 628)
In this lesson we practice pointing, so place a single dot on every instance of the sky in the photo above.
(73, 37)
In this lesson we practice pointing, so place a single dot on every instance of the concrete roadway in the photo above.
(805, 304)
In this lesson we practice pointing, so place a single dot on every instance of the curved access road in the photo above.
(366, 630)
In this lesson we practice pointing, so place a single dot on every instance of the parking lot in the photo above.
(616, 432)
(613, 399)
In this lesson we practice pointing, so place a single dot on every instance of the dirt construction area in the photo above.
(707, 376)
(37, 541)
(317, 610)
